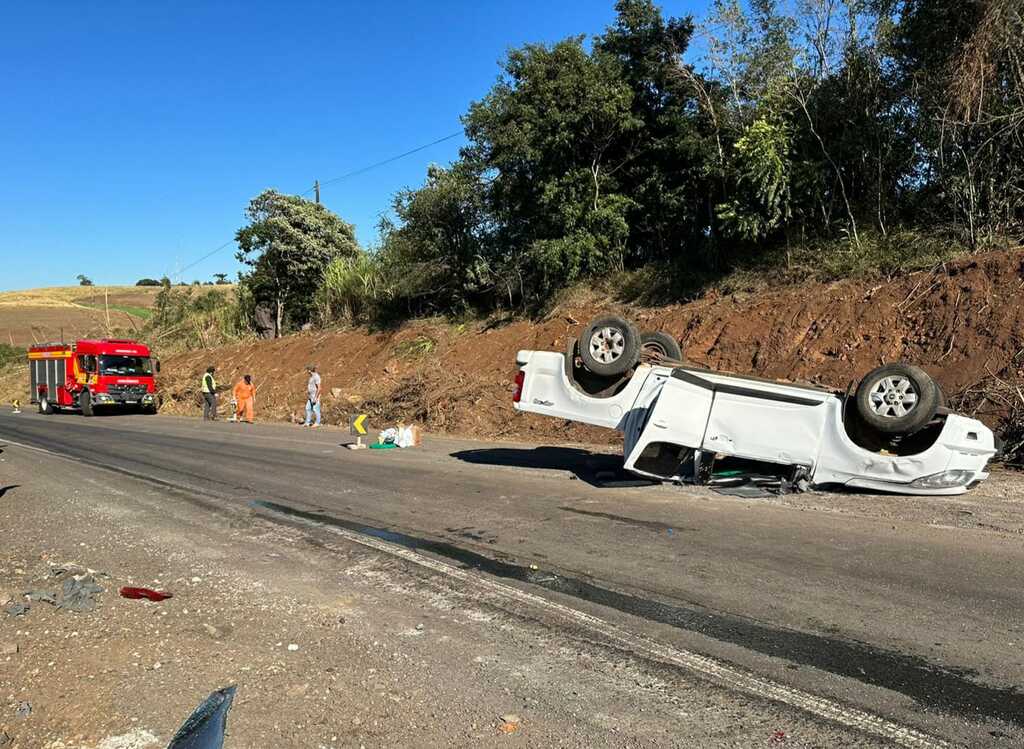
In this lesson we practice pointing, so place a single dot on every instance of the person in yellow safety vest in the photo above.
(209, 396)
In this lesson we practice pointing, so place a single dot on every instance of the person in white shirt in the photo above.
(312, 397)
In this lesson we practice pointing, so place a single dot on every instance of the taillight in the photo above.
(520, 378)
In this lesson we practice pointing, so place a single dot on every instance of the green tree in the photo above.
(551, 136)
(814, 122)
(83, 280)
(287, 243)
(672, 173)
(221, 279)
(440, 253)
(764, 166)
(960, 68)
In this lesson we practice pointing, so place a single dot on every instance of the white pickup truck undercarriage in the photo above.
(677, 420)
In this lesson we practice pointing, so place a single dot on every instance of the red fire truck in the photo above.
(92, 374)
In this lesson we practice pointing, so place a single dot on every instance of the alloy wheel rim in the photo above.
(607, 344)
(893, 397)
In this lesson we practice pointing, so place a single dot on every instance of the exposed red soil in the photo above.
(961, 322)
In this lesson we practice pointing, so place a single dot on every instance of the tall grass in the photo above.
(351, 290)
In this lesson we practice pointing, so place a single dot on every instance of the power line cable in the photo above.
(364, 169)
(331, 181)
(207, 256)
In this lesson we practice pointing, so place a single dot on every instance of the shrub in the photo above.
(192, 317)
(10, 354)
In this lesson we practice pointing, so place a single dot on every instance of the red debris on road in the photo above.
(148, 593)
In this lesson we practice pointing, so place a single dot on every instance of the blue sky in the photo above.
(132, 134)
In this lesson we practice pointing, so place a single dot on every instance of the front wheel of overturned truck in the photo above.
(897, 399)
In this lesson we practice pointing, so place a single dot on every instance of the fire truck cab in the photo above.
(92, 374)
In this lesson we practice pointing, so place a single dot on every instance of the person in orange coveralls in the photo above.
(245, 396)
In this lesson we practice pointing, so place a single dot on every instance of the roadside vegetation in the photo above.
(12, 368)
(817, 139)
(189, 317)
(10, 354)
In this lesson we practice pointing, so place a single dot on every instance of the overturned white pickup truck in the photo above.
(892, 434)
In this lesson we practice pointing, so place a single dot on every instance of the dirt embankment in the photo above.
(962, 322)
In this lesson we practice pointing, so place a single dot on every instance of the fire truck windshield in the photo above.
(126, 365)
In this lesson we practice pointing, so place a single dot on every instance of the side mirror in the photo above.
(158, 366)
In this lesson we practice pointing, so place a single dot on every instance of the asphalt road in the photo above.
(889, 604)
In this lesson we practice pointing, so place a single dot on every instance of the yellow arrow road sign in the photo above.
(358, 424)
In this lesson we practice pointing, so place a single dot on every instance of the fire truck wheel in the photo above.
(85, 401)
(44, 406)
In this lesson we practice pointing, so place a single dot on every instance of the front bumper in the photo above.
(915, 488)
(126, 397)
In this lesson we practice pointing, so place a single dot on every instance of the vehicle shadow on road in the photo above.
(9, 487)
(600, 470)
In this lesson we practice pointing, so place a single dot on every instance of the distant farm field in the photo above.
(36, 315)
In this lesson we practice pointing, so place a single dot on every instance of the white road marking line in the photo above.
(705, 666)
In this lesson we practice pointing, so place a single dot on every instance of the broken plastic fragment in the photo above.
(147, 593)
(17, 609)
(79, 595)
(205, 728)
(42, 595)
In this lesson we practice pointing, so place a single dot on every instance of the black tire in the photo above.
(45, 407)
(609, 346)
(85, 403)
(661, 343)
(897, 399)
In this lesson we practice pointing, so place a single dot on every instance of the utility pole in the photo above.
(316, 187)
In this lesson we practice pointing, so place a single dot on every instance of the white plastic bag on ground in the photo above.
(405, 438)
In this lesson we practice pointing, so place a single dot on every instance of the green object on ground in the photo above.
(383, 446)
(723, 474)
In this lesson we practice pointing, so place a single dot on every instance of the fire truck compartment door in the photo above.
(49, 372)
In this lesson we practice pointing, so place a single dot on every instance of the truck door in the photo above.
(670, 428)
(778, 427)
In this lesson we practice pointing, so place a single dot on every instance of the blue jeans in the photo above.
(312, 408)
